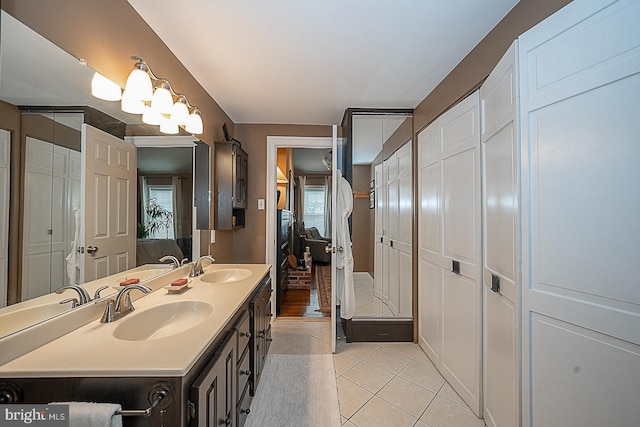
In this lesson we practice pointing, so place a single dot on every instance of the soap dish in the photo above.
(177, 289)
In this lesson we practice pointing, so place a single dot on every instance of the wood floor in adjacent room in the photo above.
(302, 302)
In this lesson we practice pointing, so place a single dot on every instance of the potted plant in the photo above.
(158, 218)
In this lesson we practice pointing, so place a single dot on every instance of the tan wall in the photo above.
(360, 231)
(249, 243)
(476, 66)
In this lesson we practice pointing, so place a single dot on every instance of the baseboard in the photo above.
(383, 330)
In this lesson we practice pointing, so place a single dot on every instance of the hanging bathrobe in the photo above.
(344, 258)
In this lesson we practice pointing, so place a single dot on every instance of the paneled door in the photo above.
(450, 252)
(5, 150)
(501, 244)
(379, 213)
(579, 111)
(109, 214)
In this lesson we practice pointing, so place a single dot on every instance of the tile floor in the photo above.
(379, 384)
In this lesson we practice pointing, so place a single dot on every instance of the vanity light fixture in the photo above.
(163, 106)
(103, 88)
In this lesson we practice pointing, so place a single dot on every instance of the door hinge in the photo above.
(191, 411)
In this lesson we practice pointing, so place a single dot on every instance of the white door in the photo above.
(109, 214)
(501, 243)
(405, 231)
(393, 222)
(37, 229)
(379, 212)
(336, 161)
(429, 281)
(5, 150)
(450, 264)
(580, 127)
(460, 260)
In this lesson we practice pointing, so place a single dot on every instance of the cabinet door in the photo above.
(213, 392)
(500, 244)
(579, 90)
(461, 231)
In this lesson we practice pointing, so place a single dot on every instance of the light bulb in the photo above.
(168, 126)
(103, 88)
(194, 123)
(151, 117)
(180, 112)
(139, 83)
(162, 101)
(131, 104)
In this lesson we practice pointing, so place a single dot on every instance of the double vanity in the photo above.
(186, 356)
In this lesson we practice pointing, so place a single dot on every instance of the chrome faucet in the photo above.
(116, 309)
(83, 295)
(173, 260)
(196, 268)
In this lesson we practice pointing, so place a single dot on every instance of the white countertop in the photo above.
(93, 351)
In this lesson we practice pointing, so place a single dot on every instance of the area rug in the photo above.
(296, 391)
(323, 285)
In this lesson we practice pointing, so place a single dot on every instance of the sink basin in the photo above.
(226, 275)
(162, 321)
(16, 320)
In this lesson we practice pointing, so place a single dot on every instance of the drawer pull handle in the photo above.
(225, 422)
(245, 411)
(247, 334)
(247, 372)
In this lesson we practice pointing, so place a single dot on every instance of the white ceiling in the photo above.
(305, 62)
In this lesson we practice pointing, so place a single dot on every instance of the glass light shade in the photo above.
(168, 126)
(194, 123)
(131, 104)
(162, 101)
(139, 85)
(152, 117)
(103, 88)
(180, 112)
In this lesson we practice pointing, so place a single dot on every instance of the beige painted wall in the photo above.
(249, 243)
(360, 231)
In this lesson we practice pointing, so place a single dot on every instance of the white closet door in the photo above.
(405, 229)
(385, 230)
(579, 88)
(5, 149)
(500, 177)
(36, 256)
(429, 281)
(461, 233)
(379, 212)
(59, 216)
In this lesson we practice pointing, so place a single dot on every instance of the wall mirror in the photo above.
(52, 90)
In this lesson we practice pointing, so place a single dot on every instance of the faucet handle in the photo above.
(74, 302)
(184, 261)
(108, 315)
(100, 289)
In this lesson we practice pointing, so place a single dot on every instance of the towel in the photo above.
(88, 414)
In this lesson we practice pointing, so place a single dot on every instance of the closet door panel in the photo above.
(429, 239)
(459, 210)
(405, 290)
(430, 312)
(378, 270)
(394, 280)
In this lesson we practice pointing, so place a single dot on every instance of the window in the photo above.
(161, 202)
(314, 207)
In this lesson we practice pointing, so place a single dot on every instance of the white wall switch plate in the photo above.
(260, 204)
(213, 236)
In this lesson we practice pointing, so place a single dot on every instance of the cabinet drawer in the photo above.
(243, 374)
(244, 333)
(243, 408)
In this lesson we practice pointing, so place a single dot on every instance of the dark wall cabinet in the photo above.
(230, 185)
(283, 226)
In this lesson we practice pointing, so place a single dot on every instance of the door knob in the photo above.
(92, 250)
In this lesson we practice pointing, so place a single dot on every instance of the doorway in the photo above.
(303, 222)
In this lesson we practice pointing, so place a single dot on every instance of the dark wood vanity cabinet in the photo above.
(260, 310)
(213, 394)
(230, 185)
(216, 391)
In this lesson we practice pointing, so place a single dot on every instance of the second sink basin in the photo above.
(162, 321)
(226, 275)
